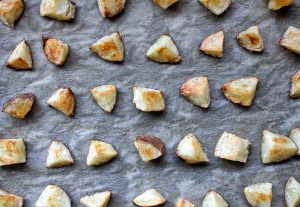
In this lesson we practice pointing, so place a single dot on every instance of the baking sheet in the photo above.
(140, 25)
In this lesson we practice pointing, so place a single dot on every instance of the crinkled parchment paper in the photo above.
(140, 25)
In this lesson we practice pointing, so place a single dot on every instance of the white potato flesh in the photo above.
(150, 198)
(12, 151)
(214, 199)
(251, 39)
(100, 153)
(278, 4)
(165, 3)
(110, 8)
(295, 136)
(53, 196)
(58, 155)
(184, 203)
(259, 195)
(295, 85)
(292, 192)
(63, 100)
(11, 11)
(100, 199)
(216, 6)
(105, 96)
(291, 39)
(213, 45)
(63, 10)
(10, 200)
(148, 100)
(20, 58)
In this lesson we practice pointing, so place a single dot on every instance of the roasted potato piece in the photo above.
(110, 8)
(149, 147)
(165, 3)
(19, 106)
(259, 195)
(214, 199)
(292, 193)
(295, 86)
(216, 6)
(109, 47)
(105, 96)
(12, 151)
(278, 4)
(251, 39)
(20, 58)
(53, 196)
(164, 50)
(55, 51)
(295, 136)
(276, 148)
(63, 100)
(191, 150)
(148, 100)
(100, 153)
(184, 203)
(63, 10)
(10, 200)
(197, 91)
(150, 198)
(213, 45)
(11, 11)
(58, 155)
(241, 91)
(291, 39)
(100, 199)
(232, 147)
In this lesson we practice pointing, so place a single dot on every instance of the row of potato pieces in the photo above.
(196, 90)
(257, 195)
(111, 48)
(274, 148)
(64, 10)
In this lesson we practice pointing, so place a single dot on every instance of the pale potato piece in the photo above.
(292, 193)
(63, 100)
(191, 150)
(150, 198)
(216, 6)
(58, 155)
(20, 105)
(184, 203)
(109, 47)
(11, 11)
(10, 200)
(197, 91)
(213, 44)
(12, 151)
(55, 51)
(20, 58)
(149, 147)
(63, 10)
(100, 199)
(291, 39)
(276, 148)
(259, 195)
(295, 136)
(241, 91)
(165, 3)
(100, 153)
(110, 8)
(105, 96)
(214, 199)
(148, 100)
(164, 50)
(53, 196)
(251, 39)
(295, 86)
(232, 147)
(278, 4)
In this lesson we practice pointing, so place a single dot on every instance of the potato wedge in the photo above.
(100, 153)
(105, 96)
(165, 3)
(53, 196)
(164, 50)
(149, 147)
(63, 10)
(148, 100)
(63, 100)
(12, 151)
(150, 198)
(216, 6)
(110, 8)
(19, 106)
(232, 147)
(184, 203)
(109, 47)
(213, 45)
(295, 136)
(191, 150)
(241, 91)
(292, 193)
(295, 86)
(251, 39)
(20, 58)
(58, 155)
(55, 51)
(291, 39)
(100, 199)
(10, 200)
(278, 4)
(259, 195)
(214, 199)
(197, 91)
(276, 148)
(11, 11)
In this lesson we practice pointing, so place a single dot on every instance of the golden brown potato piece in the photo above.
(295, 86)
(295, 136)
(55, 51)
(63, 10)
(20, 58)
(216, 6)
(259, 195)
(291, 39)
(148, 100)
(213, 45)
(278, 4)
(150, 198)
(53, 196)
(110, 8)
(292, 193)
(10, 200)
(184, 203)
(58, 155)
(214, 199)
(251, 39)
(105, 96)
(11, 11)
(12, 151)
(100, 199)
(63, 100)
(165, 3)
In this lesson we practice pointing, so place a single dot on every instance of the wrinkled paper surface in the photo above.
(140, 25)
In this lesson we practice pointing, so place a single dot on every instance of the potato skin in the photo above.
(156, 142)
(31, 97)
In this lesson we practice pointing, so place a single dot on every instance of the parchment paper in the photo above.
(140, 25)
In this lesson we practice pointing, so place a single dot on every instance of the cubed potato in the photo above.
(58, 155)
(110, 8)
(184, 203)
(251, 39)
(11, 11)
(53, 196)
(165, 3)
(278, 4)
(291, 39)
(10, 200)
(63, 100)
(100, 199)
(20, 58)
(148, 100)
(150, 198)
(295, 86)
(214, 199)
(63, 10)
(55, 51)
(216, 6)
(295, 136)
(213, 45)
(292, 193)
(12, 151)
(105, 96)
(100, 153)
(259, 195)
